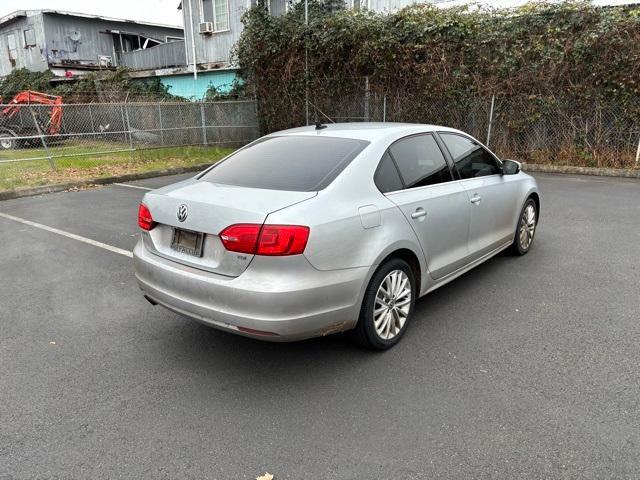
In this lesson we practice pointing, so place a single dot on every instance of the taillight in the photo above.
(145, 220)
(282, 240)
(273, 240)
(240, 238)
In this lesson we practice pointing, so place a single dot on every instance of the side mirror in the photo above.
(510, 167)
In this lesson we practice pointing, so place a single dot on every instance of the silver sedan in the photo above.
(317, 230)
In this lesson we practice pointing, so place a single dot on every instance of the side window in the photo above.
(29, 38)
(420, 161)
(216, 11)
(471, 159)
(386, 177)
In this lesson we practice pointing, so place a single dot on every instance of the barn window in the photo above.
(29, 38)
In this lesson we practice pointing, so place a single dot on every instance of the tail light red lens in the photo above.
(241, 238)
(282, 240)
(273, 240)
(145, 220)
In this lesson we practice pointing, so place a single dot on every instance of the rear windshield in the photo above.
(296, 163)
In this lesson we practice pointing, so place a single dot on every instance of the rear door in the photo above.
(490, 194)
(436, 207)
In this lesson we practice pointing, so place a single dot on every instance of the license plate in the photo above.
(185, 241)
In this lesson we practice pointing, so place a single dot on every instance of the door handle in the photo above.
(419, 213)
(476, 199)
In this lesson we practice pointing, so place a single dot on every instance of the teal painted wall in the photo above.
(186, 86)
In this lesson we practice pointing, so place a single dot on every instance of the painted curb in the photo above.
(60, 187)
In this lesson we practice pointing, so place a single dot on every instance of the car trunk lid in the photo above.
(210, 208)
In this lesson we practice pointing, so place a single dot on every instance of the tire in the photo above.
(7, 141)
(384, 330)
(525, 229)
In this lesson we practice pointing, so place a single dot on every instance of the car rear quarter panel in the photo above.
(343, 234)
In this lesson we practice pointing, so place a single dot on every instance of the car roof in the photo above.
(368, 131)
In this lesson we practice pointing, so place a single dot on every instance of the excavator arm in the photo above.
(29, 97)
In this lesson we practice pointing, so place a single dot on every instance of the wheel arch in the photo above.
(411, 258)
(536, 198)
(407, 251)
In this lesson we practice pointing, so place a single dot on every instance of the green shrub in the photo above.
(574, 48)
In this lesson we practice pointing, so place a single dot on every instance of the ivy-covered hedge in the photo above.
(574, 49)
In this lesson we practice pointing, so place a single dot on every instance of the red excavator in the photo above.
(22, 126)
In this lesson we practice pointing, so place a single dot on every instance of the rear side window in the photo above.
(387, 178)
(295, 163)
(470, 159)
(420, 161)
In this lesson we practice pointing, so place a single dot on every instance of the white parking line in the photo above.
(131, 186)
(104, 246)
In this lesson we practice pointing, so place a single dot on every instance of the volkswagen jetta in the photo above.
(317, 230)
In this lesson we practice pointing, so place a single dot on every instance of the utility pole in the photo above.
(189, 18)
(306, 59)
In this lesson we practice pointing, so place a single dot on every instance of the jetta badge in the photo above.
(183, 212)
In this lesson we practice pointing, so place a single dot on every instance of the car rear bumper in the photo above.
(276, 298)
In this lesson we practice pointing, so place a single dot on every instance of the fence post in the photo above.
(204, 124)
(384, 108)
(126, 111)
(44, 144)
(124, 122)
(93, 128)
(256, 116)
(160, 124)
(367, 95)
(493, 102)
(638, 153)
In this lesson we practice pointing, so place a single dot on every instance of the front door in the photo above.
(491, 195)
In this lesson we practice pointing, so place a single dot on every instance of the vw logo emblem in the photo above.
(183, 212)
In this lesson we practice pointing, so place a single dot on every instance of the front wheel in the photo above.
(526, 230)
(388, 305)
(7, 141)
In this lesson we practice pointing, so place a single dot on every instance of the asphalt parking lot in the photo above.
(524, 367)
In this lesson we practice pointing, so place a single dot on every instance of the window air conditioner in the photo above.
(206, 27)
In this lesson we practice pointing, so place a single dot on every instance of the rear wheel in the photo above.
(387, 307)
(526, 228)
(7, 141)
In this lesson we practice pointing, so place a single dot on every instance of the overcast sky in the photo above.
(166, 11)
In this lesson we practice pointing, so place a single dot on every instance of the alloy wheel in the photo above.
(527, 227)
(392, 304)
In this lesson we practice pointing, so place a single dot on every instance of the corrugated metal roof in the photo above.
(13, 16)
(24, 13)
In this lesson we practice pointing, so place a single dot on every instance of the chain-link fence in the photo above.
(53, 143)
(546, 129)
(57, 133)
